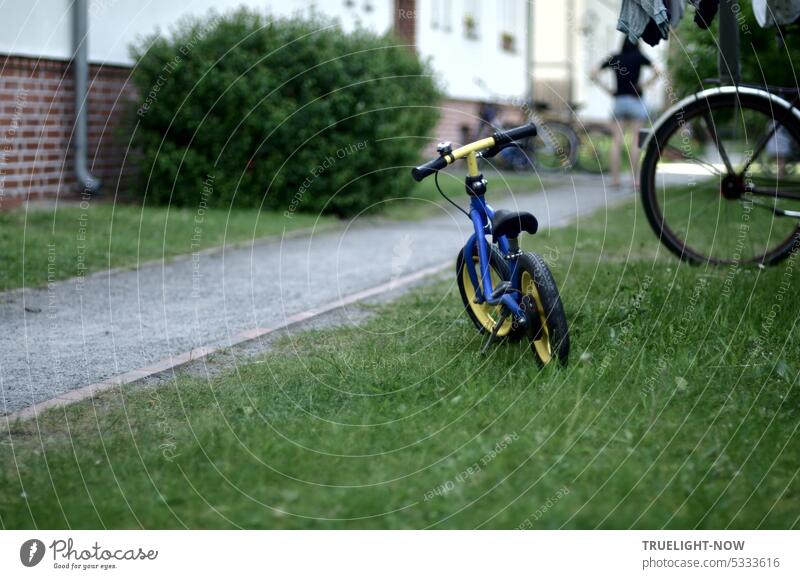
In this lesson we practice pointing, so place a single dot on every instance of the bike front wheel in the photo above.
(716, 182)
(547, 330)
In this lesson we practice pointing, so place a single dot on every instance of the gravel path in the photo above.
(63, 337)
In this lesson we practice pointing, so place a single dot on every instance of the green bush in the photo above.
(286, 114)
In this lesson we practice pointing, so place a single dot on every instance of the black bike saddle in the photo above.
(512, 223)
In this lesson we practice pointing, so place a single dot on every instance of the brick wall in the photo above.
(36, 122)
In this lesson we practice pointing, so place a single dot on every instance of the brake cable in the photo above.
(453, 203)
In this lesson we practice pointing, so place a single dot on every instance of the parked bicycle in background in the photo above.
(720, 177)
(563, 141)
(553, 148)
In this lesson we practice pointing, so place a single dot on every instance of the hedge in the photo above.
(250, 110)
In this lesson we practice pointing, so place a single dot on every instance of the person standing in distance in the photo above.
(630, 111)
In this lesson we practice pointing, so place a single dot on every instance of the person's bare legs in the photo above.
(618, 137)
(635, 127)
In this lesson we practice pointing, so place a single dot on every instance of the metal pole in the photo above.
(728, 63)
(80, 64)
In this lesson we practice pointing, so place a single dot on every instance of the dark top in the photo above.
(627, 67)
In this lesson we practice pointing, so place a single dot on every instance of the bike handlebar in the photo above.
(499, 139)
(515, 134)
(429, 168)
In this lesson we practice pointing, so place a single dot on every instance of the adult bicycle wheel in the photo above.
(714, 189)
(555, 146)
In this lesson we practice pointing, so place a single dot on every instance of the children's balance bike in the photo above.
(507, 293)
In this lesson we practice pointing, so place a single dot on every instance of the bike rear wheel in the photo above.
(713, 184)
(555, 147)
(594, 153)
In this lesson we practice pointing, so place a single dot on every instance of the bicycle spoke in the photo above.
(680, 198)
(705, 206)
(694, 159)
(774, 209)
(760, 148)
(677, 199)
(753, 248)
(776, 193)
(758, 203)
(712, 132)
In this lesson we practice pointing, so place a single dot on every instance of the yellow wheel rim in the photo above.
(486, 314)
(542, 345)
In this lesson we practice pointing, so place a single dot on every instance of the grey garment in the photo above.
(776, 12)
(635, 15)
(676, 10)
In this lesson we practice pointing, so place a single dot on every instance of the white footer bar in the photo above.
(406, 554)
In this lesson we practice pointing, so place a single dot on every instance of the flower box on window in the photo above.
(470, 27)
(508, 42)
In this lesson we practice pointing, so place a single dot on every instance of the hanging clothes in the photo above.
(705, 11)
(776, 12)
(645, 19)
(676, 8)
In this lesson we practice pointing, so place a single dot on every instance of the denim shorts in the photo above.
(629, 108)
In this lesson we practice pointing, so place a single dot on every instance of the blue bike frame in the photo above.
(481, 215)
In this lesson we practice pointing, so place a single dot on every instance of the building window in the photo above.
(509, 25)
(441, 11)
(472, 19)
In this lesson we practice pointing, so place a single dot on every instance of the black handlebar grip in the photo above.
(429, 168)
(515, 134)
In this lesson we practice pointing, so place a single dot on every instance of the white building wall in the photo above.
(374, 15)
(36, 28)
(461, 61)
(588, 33)
(551, 37)
(43, 29)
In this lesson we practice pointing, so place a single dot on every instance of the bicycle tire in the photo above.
(484, 316)
(708, 102)
(548, 332)
(555, 147)
(594, 150)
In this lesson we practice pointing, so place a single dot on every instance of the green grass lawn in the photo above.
(712, 226)
(679, 409)
(120, 235)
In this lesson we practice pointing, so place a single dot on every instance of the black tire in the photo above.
(483, 316)
(548, 333)
(594, 150)
(555, 147)
(688, 241)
